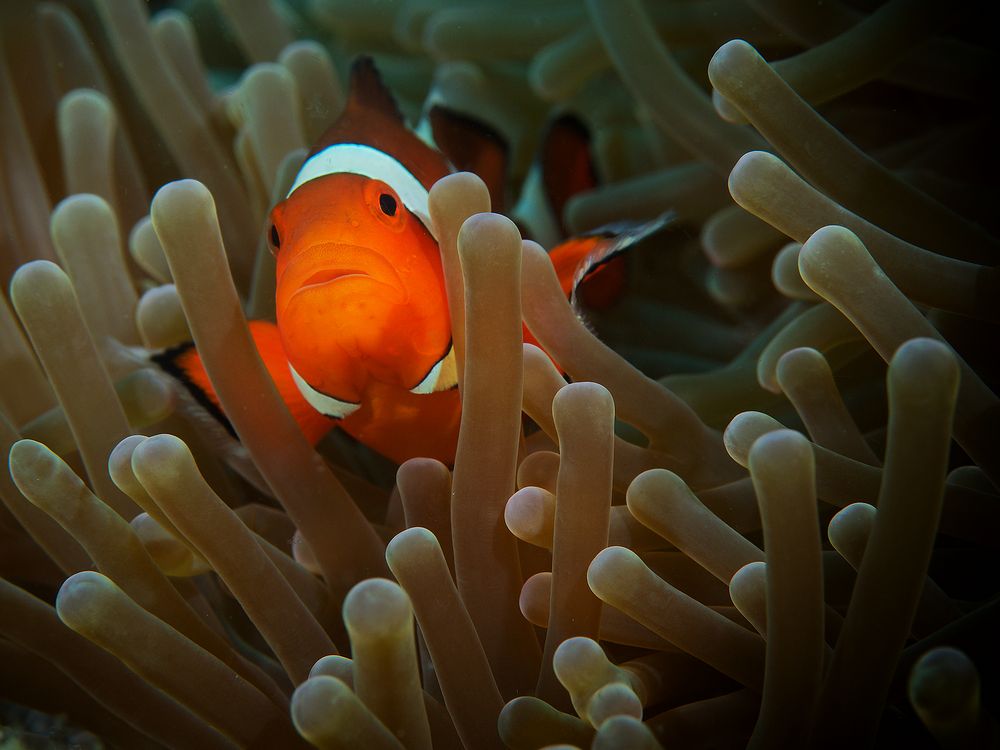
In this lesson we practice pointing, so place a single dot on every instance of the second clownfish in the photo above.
(362, 339)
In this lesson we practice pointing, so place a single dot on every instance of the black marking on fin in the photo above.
(167, 360)
(566, 164)
(626, 235)
(368, 90)
(466, 141)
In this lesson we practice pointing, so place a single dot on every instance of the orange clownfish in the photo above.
(362, 338)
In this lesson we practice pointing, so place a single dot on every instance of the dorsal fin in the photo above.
(368, 92)
(566, 164)
(371, 118)
(472, 146)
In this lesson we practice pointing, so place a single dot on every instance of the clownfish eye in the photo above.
(275, 239)
(384, 204)
(388, 204)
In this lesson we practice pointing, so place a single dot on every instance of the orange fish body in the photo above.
(363, 334)
(360, 299)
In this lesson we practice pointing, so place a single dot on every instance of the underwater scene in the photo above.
(442, 374)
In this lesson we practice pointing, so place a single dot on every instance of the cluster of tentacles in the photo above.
(762, 512)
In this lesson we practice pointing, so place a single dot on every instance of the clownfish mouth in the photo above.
(326, 276)
(332, 268)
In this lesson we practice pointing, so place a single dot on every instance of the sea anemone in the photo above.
(753, 505)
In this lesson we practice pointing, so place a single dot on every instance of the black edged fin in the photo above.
(369, 92)
(618, 238)
(596, 260)
(472, 146)
(201, 409)
(177, 362)
(566, 163)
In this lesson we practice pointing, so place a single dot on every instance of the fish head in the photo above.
(360, 294)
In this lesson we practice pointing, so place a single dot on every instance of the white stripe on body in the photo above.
(442, 376)
(356, 158)
(326, 405)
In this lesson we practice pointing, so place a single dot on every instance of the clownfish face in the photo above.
(360, 289)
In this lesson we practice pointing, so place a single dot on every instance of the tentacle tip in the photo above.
(575, 397)
(604, 570)
(121, 454)
(925, 364)
(781, 447)
(750, 171)
(79, 207)
(26, 451)
(415, 540)
(944, 678)
(34, 272)
(801, 359)
(313, 701)
(160, 451)
(459, 189)
(376, 608)
(489, 234)
(301, 46)
(32, 466)
(76, 596)
(266, 72)
(654, 489)
(729, 58)
(743, 430)
(573, 652)
(178, 198)
(830, 252)
(84, 98)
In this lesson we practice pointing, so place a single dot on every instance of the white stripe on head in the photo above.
(326, 405)
(356, 158)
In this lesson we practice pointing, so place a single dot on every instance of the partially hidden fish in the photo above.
(362, 339)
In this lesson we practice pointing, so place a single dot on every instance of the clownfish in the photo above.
(362, 338)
